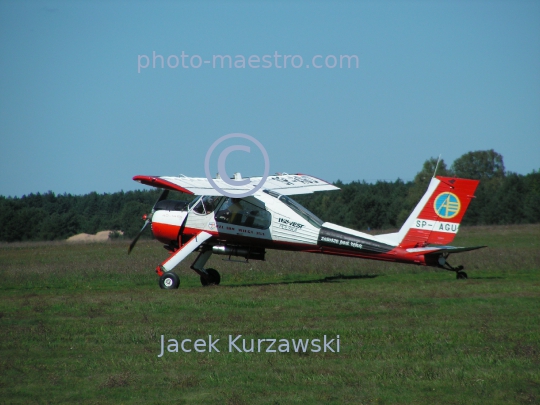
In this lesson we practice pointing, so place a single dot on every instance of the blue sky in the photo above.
(76, 115)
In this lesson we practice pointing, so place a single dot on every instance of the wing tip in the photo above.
(158, 182)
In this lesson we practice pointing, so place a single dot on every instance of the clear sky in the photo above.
(80, 113)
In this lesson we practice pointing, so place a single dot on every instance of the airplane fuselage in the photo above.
(275, 222)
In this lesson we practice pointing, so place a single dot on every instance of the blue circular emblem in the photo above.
(447, 205)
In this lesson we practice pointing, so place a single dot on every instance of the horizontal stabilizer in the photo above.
(445, 249)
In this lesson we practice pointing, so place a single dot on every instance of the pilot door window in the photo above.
(236, 211)
(206, 205)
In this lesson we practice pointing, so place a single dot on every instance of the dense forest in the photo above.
(501, 198)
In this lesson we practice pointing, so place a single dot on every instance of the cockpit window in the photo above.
(204, 205)
(300, 210)
(237, 211)
(210, 203)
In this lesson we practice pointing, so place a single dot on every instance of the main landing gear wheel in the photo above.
(169, 281)
(213, 278)
(461, 275)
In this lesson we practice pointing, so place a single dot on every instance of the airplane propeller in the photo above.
(148, 218)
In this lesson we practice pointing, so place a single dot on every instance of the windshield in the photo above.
(300, 210)
(204, 205)
(193, 202)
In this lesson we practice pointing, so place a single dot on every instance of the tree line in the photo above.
(50, 217)
(501, 198)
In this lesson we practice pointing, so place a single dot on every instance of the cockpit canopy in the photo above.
(237, 211)
(297, 208)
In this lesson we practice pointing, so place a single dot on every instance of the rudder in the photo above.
(437, 216)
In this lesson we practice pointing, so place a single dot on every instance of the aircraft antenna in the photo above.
(437, 166)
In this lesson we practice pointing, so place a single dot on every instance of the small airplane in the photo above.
(213, 223)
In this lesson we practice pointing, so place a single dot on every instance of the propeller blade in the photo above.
(162, 197)
(181, 230)
(134, 241)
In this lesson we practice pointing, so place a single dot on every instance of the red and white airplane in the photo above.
(269, 219)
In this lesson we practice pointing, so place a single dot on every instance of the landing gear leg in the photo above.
(460, 275)
(208, 276)
(169, 280)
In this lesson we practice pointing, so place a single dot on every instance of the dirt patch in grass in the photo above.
(101, 236)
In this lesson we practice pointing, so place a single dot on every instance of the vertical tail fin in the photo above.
(437, 216)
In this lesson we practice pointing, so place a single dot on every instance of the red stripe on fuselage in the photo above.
(166, 233)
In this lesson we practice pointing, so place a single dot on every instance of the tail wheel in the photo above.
(461, 275)
(212, 278)
(169, 281)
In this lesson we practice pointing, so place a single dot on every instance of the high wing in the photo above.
(286, 184)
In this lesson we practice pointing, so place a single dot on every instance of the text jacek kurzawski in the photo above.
(235, 344)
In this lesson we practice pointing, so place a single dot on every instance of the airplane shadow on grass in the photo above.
(486, 278)
(331, 279)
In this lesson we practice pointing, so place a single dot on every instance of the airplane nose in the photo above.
(167, 226)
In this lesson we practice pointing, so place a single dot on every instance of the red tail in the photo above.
(437, 217)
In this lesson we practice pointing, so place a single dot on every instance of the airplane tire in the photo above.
(461, 275)
(213, 278)
(169, 281)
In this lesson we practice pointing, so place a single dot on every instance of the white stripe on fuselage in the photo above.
(437, 226)
(169, 217)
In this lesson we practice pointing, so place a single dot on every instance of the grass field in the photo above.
(81, 323)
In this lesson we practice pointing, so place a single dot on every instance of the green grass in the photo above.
(82, 323)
